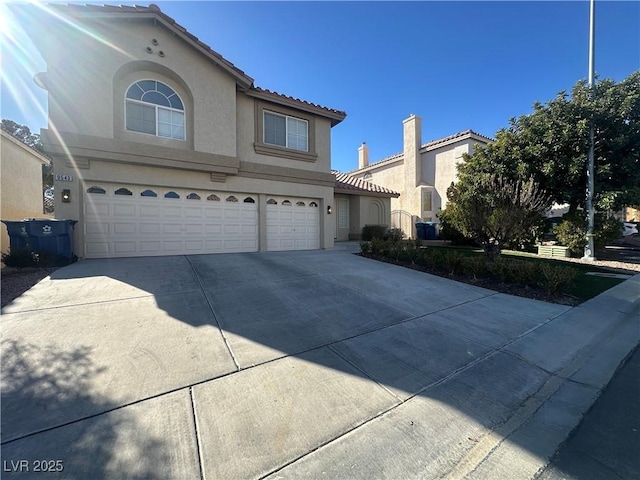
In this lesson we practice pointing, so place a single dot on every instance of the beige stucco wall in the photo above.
(20, 186)
(363, 210)
(84, 77)
(86, 81)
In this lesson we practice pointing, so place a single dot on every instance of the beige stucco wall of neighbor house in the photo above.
(20, 185)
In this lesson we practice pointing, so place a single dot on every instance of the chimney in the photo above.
(412, 142)
(363, 156)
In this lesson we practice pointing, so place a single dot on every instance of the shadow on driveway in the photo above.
(270, 356)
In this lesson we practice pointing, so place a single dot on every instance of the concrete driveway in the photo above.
(317, 364)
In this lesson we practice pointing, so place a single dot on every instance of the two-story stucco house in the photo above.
(421, 173)
(164, 147)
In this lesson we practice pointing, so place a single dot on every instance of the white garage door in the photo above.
(292, 224)
(132, 221)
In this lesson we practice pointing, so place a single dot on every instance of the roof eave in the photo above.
(243, 80)
(333, 115)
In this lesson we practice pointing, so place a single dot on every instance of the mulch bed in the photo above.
(16, 281)
(526, 291)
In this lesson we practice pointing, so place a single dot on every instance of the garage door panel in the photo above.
(192, 228)
(294, 225)
(124, 247)
(123, 210)
(149, 228)
(132, 225)
(124, 228)
(172, 246)
(172, 228)
(215, 229)
(94, 228)
(171, 211)
(97, 209)
(152, 211)
(97, 248)
(149, 246)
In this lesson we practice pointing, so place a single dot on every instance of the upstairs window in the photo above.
(154, 108)
(286, 131)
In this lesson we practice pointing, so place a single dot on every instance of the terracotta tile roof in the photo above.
(453, 137)
(424, 147)
(243, 79)
(280, 98)
(347, 182)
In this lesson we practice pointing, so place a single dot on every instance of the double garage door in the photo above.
(131, 221)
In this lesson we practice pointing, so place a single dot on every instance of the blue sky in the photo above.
(458, 65)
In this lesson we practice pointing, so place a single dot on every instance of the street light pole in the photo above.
(589, 249)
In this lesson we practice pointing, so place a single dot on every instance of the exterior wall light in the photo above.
(66, 196)
(328, 209)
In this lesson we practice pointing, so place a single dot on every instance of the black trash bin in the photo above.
(18, 236)
(53, 237)
(430, 232)
(420, 231)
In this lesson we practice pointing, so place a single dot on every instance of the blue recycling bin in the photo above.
(18, 236)
(420, 231)
(54, 237)
(430, 232)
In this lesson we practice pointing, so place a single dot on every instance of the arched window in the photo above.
(249, 200)
(300, 204)
(171, 195)
(148, 193)
(232, 199)
(313, 204)
(286, 202)
(95, 189)
(213, 198)
(154, 108)
(193, 196)
(271, 201)
(123, 191)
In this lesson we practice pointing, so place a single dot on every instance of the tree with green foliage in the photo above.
(495, 210)
(23, 133)
(550, 145)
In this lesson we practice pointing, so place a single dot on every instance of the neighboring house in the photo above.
(421, 173)
(359, 203)
(21, 185)
(163, 147)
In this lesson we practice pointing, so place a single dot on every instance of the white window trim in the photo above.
(147, 104)
(286, 133)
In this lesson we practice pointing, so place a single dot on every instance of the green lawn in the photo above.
(584, 287)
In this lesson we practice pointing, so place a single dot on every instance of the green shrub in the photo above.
(451, 233)
(369, 232)
(476, 266)
(20, 257)
(365, 247)
(571, 232)
(556, 279)
(453, 262)
(394, 234)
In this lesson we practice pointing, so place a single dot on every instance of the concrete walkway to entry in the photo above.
(313, 364)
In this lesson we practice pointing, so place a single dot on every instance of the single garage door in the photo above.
(292, 224)
(132, 221)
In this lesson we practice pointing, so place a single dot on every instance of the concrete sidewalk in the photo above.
(296, 365)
